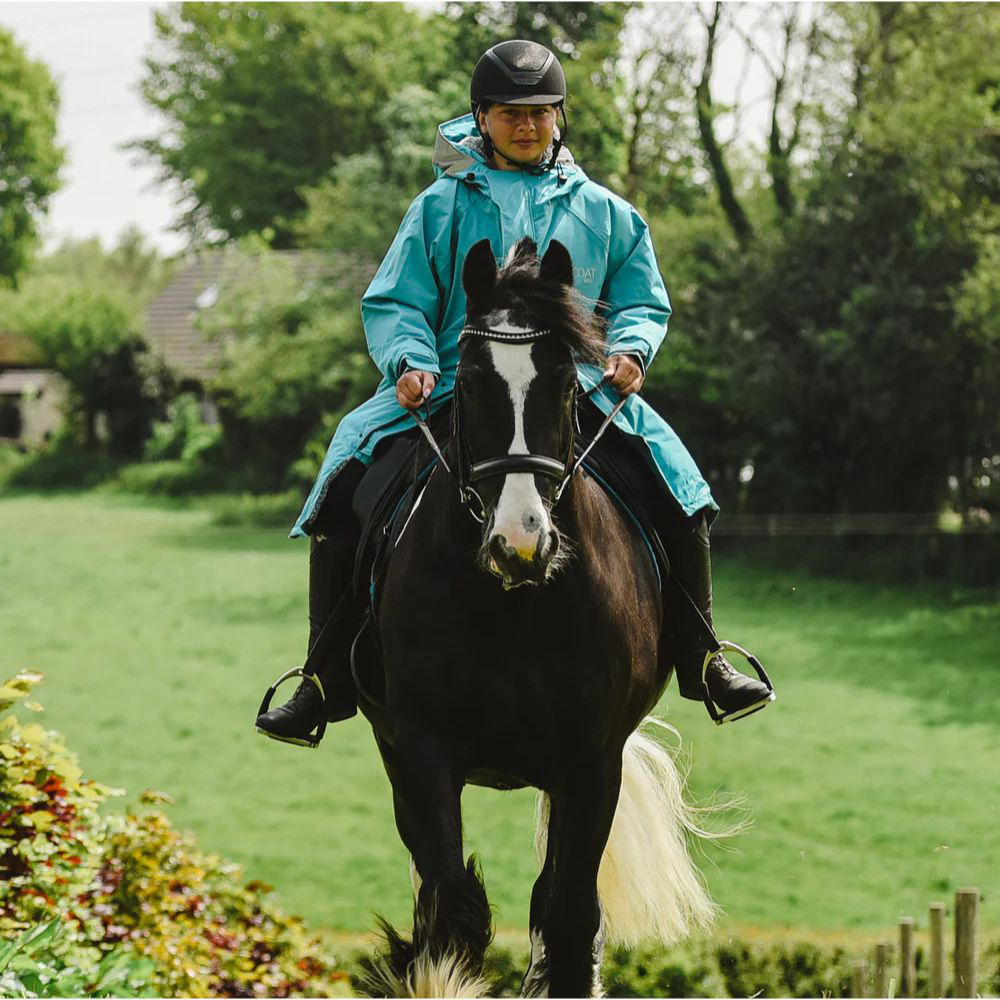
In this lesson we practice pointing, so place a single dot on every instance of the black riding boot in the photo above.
(732, 691)
(333, 617)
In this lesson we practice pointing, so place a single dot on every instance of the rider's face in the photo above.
(519, 131)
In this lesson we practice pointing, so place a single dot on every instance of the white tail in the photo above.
(648, 885)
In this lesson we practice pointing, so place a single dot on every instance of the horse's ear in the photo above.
(557, 265)
(479, 274)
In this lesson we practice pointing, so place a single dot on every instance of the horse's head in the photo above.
(514, 400)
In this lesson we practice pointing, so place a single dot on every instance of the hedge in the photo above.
(130, 887)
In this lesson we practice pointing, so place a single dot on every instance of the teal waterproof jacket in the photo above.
(414, 309)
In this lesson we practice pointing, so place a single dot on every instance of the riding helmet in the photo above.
(518, 72)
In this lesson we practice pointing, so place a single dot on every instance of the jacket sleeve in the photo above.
(637, 307)
(401, 309)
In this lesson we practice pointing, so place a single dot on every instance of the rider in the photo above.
(503, 172)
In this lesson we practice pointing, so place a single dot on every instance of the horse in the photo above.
(515, 644)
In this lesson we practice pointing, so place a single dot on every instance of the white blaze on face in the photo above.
(520, 516)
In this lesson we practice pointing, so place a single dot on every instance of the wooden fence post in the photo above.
(966, 915)
(858, 970)
(882, 969)
(907, 960)
(936, 985)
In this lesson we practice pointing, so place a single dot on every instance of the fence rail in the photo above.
(769, 525)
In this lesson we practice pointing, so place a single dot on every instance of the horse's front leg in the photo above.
(536, 978)
(582, 811)
(452, 923)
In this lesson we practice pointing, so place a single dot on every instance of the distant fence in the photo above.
(886, 978)
(823, 525)
(880, 547)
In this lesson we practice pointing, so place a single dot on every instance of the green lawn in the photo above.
(874, 781)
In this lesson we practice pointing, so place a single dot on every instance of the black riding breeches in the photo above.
(332, 545)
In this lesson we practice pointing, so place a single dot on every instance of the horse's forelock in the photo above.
(553, 306)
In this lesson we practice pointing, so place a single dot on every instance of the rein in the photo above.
(562, 471)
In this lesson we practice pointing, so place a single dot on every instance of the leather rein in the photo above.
(469, 474)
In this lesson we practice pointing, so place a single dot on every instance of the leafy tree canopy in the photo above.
(30, 157)
(261, 99)
(132, 267)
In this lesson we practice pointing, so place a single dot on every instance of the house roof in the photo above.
(171, 328)
(17, 349)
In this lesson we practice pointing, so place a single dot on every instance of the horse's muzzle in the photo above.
(517, 565)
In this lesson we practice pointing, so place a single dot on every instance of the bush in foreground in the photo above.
(121, 889)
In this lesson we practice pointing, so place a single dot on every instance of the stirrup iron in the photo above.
(718, 716)
(313, 739)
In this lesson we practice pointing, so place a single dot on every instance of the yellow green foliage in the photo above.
(133, 881)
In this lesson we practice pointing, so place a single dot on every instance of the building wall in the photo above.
(40, 395)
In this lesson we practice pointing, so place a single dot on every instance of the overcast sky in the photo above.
(94, 51)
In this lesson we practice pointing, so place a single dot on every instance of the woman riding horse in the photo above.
(504, 173)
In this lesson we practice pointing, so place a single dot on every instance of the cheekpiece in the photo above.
(486, 333)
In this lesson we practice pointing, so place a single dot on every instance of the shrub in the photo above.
(649, 972)
(265, 510)
(35, 964)
(63, 465)
(127, 888)
(183, 435)
(170, 478)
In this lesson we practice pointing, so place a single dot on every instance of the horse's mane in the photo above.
(558, 308)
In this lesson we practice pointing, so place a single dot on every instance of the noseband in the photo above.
(467, 475)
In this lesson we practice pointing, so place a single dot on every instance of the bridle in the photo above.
(467, 474)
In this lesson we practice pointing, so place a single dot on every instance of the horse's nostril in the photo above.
(498, 546)
(531, 522)
(553, 543)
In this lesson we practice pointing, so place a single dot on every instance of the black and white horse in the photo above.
(516, 644)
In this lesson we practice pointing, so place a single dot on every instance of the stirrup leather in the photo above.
(313, 739)
(718, 716)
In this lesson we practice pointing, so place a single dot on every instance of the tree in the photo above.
(358, 206)
(132, 267)
(89, 337)
(262, 99)
(868, 345)
(29, 155)
(295, 355)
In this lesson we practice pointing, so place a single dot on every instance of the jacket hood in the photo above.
(459, 149)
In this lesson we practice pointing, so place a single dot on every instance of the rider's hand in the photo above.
(413, 388)
(624, 373)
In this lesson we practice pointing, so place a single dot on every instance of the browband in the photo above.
(512, 337)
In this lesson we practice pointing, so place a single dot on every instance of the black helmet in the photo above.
(518, 72)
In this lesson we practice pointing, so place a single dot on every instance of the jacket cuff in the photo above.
(417, 362)
(631, 352)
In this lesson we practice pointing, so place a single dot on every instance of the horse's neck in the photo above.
(586, 512)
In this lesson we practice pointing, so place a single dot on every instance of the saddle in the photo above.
(383, 500)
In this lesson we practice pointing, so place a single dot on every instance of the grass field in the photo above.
(874, 781)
